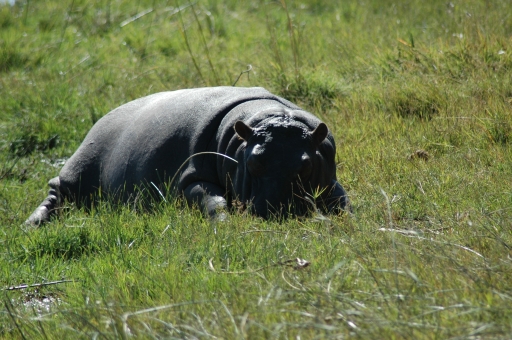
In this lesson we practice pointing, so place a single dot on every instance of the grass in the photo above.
(418, 96)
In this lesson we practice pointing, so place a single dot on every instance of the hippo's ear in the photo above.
(319, 134)
(243, 130)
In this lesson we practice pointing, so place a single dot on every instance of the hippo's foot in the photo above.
(46, 209)
(210, 198)
(221, 216)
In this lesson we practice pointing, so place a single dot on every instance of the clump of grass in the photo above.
(412, 103)
(6, 17)
(71, 244)
(409, 98)
(498, 127)
(313, 91)
(11, 56)
(27, 143)
(47, 24)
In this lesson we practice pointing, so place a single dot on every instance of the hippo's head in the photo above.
(281, 166)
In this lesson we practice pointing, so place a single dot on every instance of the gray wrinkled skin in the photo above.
(284, 154)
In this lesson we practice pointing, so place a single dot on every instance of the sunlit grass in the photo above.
(418, 96)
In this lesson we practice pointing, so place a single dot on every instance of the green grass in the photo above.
(419, 97)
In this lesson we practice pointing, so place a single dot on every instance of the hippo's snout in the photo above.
(280, 200)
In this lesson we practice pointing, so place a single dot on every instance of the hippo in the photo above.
(250, 148)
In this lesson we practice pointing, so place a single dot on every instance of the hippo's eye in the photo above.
(255, 167)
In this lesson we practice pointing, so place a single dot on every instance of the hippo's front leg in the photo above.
(337, 201)
(209, 196)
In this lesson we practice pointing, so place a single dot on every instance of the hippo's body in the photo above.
(283, 152)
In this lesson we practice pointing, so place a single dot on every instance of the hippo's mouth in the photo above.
(280, 204)
(273, 211)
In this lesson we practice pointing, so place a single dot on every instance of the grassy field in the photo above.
(418, 95)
